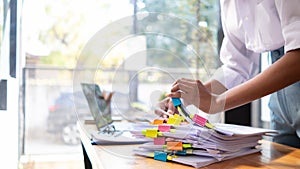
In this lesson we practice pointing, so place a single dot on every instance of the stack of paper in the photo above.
(198, 146)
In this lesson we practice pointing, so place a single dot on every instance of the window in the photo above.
(140, 47)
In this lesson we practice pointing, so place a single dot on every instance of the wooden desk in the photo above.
(273, 155)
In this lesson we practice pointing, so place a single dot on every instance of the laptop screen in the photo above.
(99, 107)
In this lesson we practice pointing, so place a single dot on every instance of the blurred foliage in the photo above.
(67, 19)
(67, 28)
(202, 39)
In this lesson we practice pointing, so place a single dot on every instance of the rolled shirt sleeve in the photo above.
(289, 14)
(239, 64)
(251, 27)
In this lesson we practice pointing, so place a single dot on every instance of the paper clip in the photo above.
(152, 133)
(164, 127)
(161, 156)
(159, 141)
(174, 145)
(186, 145)
(158, 121)
(182, 153)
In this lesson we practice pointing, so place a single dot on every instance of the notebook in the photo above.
(108, 131)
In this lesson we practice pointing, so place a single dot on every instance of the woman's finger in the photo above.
(174, 94)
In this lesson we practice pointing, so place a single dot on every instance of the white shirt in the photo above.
(251, 27)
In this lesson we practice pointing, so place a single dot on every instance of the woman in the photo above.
(252, 27)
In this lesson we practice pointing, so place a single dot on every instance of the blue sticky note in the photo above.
(176, 101)
(161, 156)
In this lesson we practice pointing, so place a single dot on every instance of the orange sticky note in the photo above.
(174, 145)
(158, 121)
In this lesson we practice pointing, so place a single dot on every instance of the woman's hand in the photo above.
(194, 92)
(165, 105)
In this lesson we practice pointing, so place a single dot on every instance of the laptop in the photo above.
(108, 131)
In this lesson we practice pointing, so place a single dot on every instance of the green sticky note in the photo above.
(186, 145)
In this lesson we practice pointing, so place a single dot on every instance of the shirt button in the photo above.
(246, 18)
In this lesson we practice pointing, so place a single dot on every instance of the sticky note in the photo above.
(199, 120)
(171, 120)
(176, 101)
(161, 156)
(164, 127)
(158, 121)
(174, 145)
(159, 141)
(152, 133)
(170, 157)
(176, 116)
(177, 121)
(186, 145)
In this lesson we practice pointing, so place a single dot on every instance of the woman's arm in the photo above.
(283, 73)
(215, 87)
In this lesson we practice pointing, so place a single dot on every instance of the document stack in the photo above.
(195, 144)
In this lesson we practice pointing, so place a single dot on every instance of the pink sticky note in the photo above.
(199, 120)
(164, 128)
(159, 141)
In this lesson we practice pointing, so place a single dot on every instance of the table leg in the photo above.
(87, 162)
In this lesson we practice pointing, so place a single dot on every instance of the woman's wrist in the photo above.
(217, 104)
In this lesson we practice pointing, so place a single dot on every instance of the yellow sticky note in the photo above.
(182, 118)
(169, 157)
(177, 121)
(191, 116)
(171, 120)
(152, 133)
(151, 155)
(176, 116)
(209, 125)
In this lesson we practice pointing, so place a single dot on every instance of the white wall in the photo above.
(9, 118)
(9, 127)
